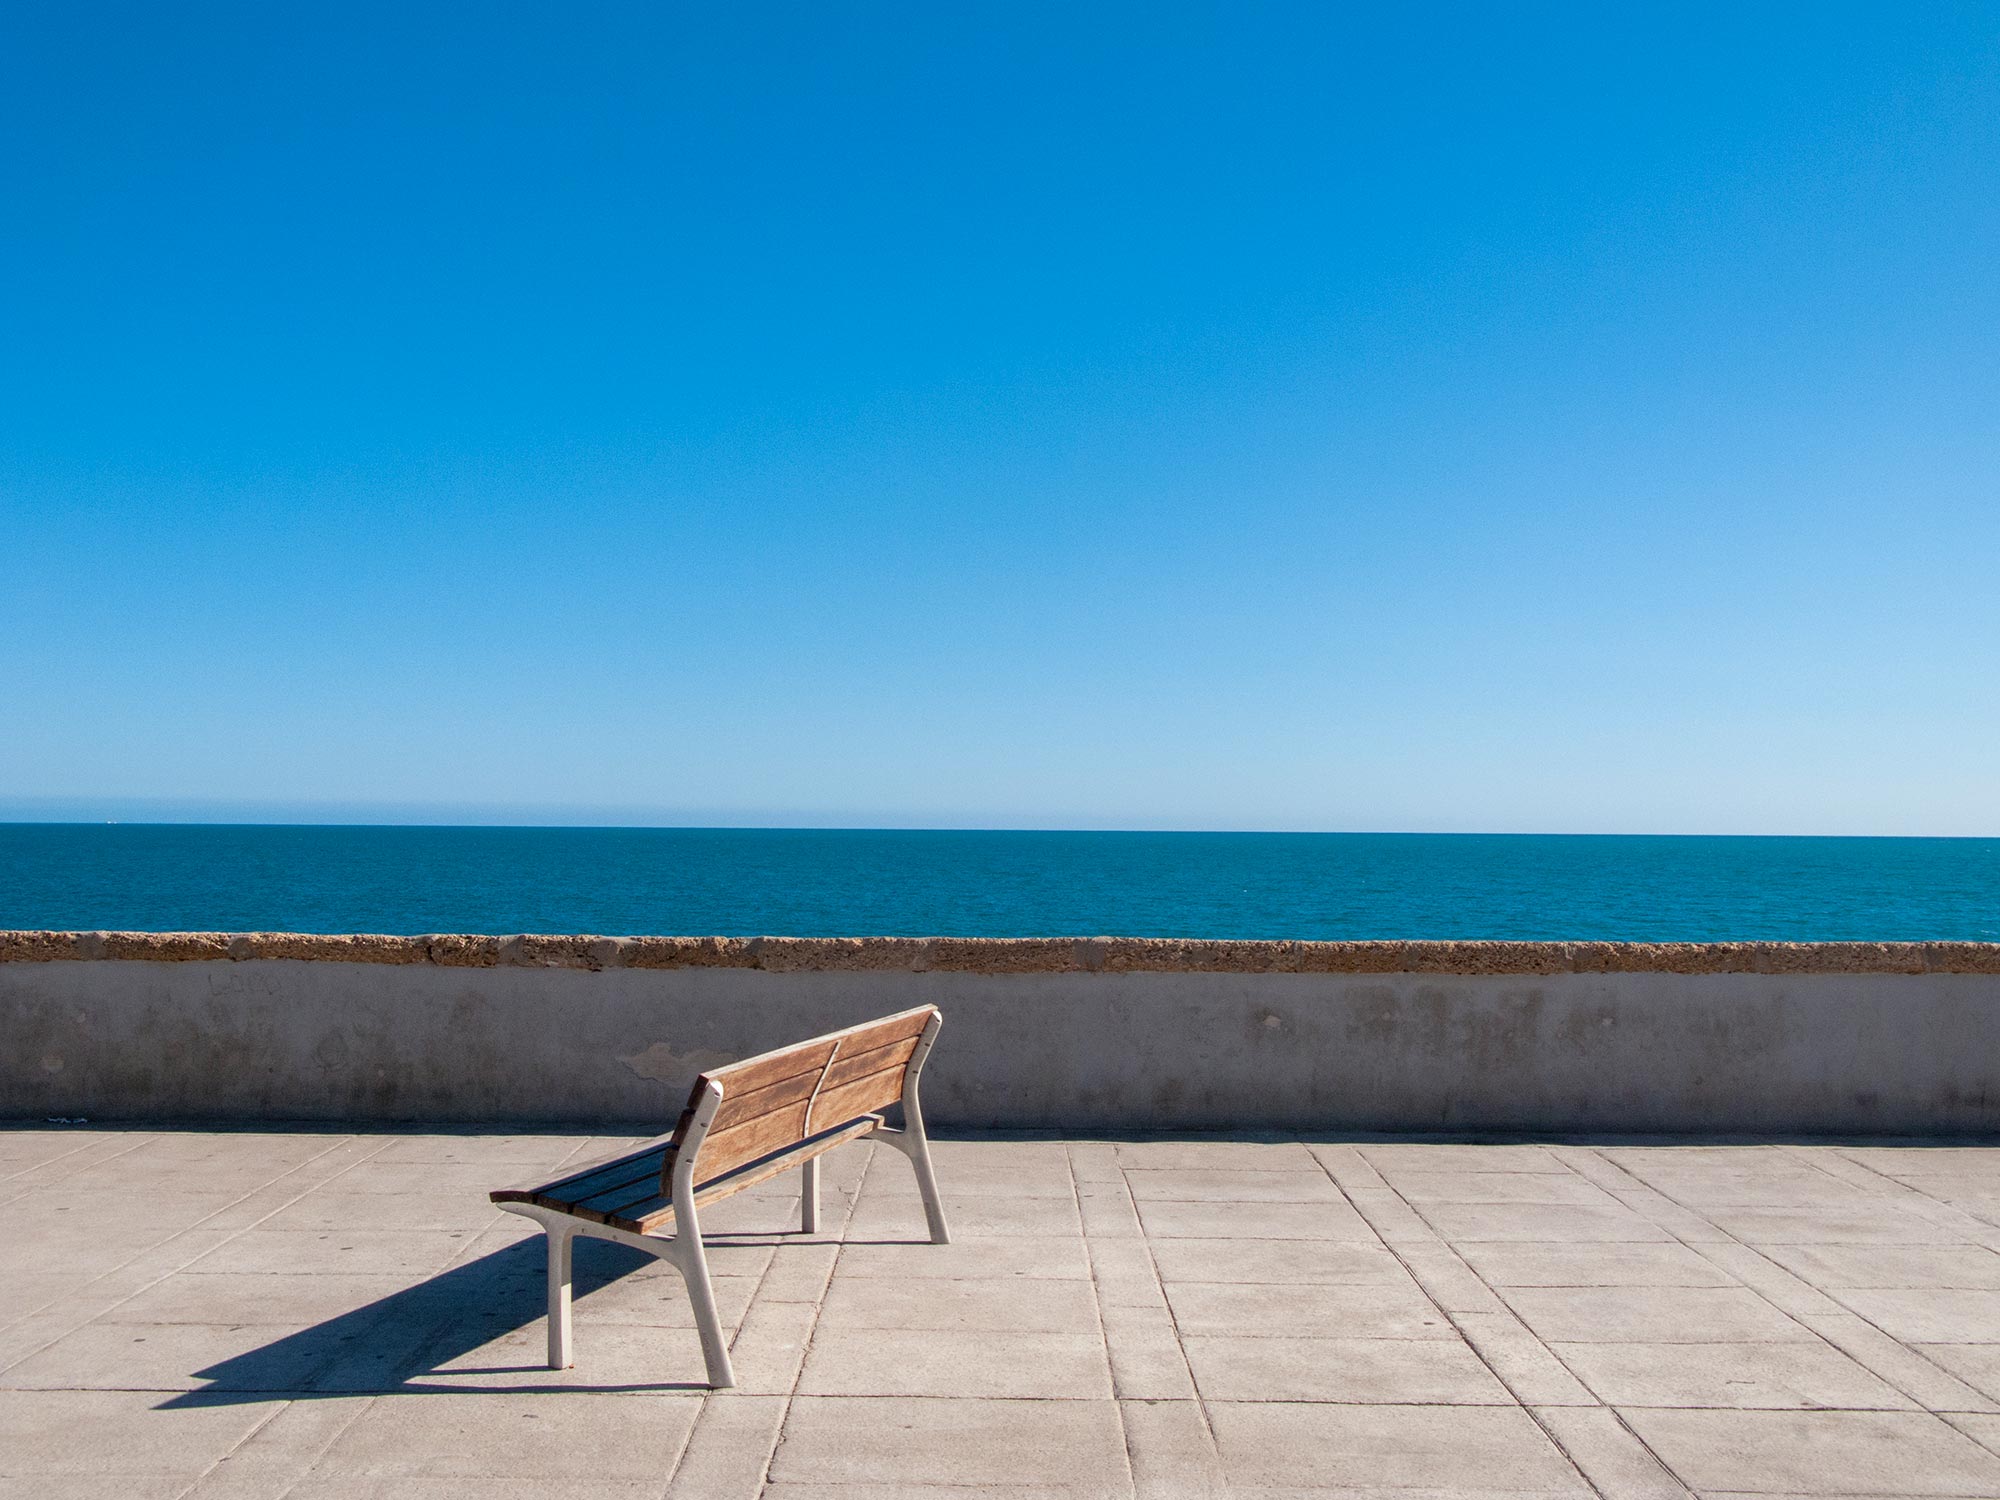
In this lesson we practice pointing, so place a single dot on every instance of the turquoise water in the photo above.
(991, 884)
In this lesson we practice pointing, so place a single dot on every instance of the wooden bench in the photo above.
(743, 1125)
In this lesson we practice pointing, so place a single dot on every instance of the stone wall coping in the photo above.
(1054, 955)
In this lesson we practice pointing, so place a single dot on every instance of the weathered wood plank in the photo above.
(773, 1067)
(860, 1096)
(754, 1138)
(880, 1033)
(850, 1065)
(634, 1167)
(611, 1202)
(740, 1108)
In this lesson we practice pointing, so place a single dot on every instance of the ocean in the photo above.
(817, 882)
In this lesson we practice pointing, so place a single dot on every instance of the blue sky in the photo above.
(1488, 418)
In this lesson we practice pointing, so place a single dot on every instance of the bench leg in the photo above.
(920, 1158)
(560, 1239)
(690, 1260)
(809, 1197)
(911, 1141)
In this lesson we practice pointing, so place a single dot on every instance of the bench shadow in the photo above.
(381, 1348)
(412, 1335)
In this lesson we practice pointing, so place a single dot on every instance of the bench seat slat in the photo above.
(611, 1173)
(636, 1166)
(639, 1205)
(612, 1204)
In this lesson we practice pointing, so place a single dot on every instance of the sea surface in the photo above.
(784, 882)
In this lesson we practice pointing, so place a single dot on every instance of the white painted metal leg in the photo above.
(683, 1253)
(686, 1250)
(692, 1263)
(560, 1238)
(809, 1197)
(915, 1144)
(559, 1231)
(911, 1142)
(920, 1158)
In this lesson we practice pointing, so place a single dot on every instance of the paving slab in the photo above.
(1330, 1310)
(1276, 1262)
(1806, 1375)
(1929, 1315)
(1317, 1221)
(1499, 1187)
(1891, 1265)
(935, 1362)
(1435, 1372)
(1393, 1158)
(1033, 1259)
(1523, 1362)
(1172, 1451)
(402, 1252)
(514, 1435)
(1865, 1224)
(1581, 1223)
(1818, 1453)
(1225, 1155)
(1978, 1365)
(1014, 1305)
(1317, 1446)
(1504, 1263)
(1070, 1447)
(1652, 1314)
(896, 1212)
(1609, 1453)
(62, 1434)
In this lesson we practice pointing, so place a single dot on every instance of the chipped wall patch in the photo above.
(662, 1064)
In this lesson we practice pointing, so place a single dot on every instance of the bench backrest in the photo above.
(778, 1099)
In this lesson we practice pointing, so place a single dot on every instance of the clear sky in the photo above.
(1323, 417)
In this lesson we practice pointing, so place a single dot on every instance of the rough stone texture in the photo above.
(1083, 955)
(159, 1335)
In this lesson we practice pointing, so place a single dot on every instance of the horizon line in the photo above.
(858, 828)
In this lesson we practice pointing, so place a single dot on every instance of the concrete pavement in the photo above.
(323, 1314)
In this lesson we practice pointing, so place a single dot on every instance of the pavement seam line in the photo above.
(1932, 1210)
(778, 1434)
(1919, 1192)
(189, 1229)
(1097, 1308)
(234, 1448)
(1991, 1446)
(1180, 1336)
(1788, 1274)
(63, 1156)
(1533, 1414)
(367, 1400)
(292, 1399)
(30, 1190)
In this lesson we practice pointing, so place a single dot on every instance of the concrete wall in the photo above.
(1530, 1037)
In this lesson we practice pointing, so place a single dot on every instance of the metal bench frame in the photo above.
(683, 1249)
